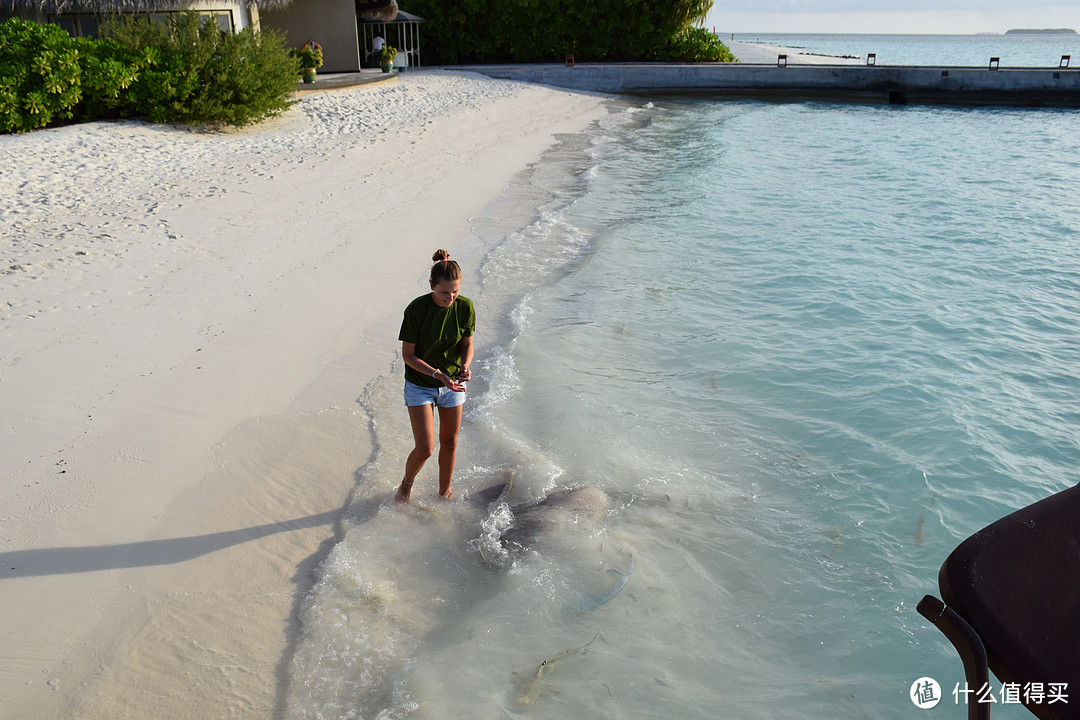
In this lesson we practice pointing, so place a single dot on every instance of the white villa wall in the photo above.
(240, 16)
(331, 23)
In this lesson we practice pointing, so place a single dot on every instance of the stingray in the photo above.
(532, 520)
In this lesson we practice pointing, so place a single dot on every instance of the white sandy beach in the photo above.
(186, 322)
(759, 54)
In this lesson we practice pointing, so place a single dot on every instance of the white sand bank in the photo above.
(758, 54)
(186, 322)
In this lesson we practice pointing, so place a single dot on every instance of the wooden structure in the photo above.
(406, 37)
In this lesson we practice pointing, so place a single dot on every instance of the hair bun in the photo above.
(444, 268)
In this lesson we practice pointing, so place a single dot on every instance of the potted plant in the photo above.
(307, 58)
(386, 57)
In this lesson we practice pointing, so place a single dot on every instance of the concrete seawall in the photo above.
(893, 84)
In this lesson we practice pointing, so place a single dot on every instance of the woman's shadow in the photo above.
(66, 560)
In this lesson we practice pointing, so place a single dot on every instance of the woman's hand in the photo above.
(452, 383)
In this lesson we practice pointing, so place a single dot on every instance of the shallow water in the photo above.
(803, 350)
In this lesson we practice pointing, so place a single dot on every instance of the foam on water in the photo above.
(802, 350)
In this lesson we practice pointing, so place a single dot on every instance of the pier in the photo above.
(885, 84)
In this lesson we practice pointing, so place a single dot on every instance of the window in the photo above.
(68, 23)
(223, 20)
(86, 25)
(77, 25)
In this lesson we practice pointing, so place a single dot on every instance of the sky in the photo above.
(884, 16)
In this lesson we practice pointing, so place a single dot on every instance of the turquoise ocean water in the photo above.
(803, 350)
(963, 50)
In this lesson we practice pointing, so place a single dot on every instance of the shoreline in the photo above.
(759, 53)
(188, 322)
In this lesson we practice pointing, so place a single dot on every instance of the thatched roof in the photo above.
(401, 18)
(376, 10)
(105, 7)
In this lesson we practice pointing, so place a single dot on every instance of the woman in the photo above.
(437, 346)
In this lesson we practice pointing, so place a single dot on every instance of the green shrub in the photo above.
(196, 74)
(39, 75)
(467, 31)
(307, 56)
(111, 72)
(186, 71)
(696, 45)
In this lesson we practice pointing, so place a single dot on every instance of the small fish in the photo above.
(533, 688)
(920, 529)
(589, 604)
(920, 525)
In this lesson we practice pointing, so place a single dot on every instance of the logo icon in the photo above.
(925, 693)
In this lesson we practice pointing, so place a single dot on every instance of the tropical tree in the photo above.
(472, 31)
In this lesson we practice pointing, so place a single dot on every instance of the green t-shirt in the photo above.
(437, 332)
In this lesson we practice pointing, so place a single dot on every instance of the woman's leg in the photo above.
(449, 426)
(422, 418)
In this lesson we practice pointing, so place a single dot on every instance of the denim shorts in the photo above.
(442, 397)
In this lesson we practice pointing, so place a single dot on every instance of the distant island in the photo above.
(1044, 31)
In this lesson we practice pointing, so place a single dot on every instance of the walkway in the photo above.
(335, 81)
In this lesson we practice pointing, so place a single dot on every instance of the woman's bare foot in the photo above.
(401, 497)
(448, 495)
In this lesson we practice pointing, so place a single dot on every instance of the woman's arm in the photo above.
(466, 348)
(408, 354)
